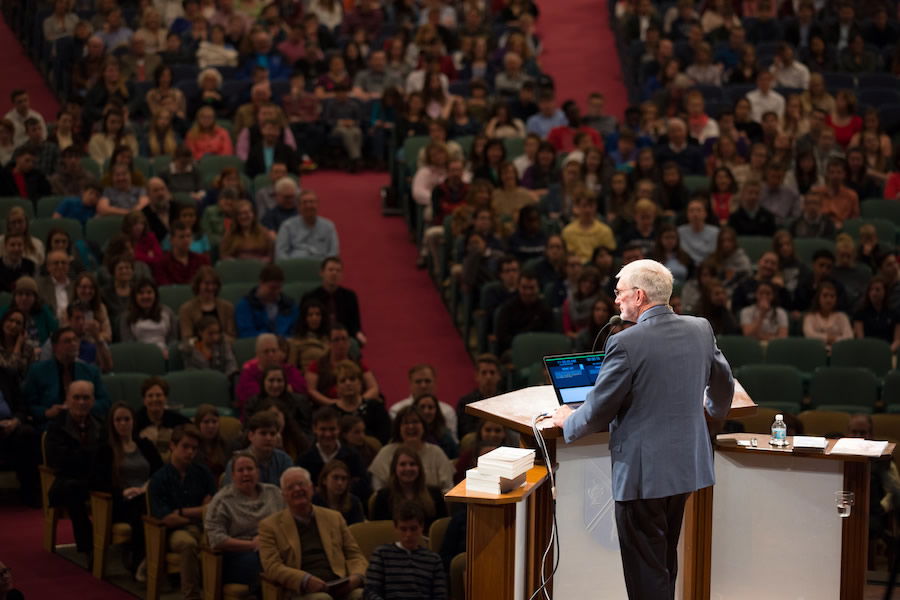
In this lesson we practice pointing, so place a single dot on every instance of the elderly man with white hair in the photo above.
(677, 147)
(305, 548)
(307, 235)
(286, 195)
(649, 392)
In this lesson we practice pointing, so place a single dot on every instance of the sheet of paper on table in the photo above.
(858, 446)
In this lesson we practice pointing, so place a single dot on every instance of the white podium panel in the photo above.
(775, 526)
(591, 564)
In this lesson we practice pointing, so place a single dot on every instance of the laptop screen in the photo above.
(573, 375)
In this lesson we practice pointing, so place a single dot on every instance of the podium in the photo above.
(507, 534)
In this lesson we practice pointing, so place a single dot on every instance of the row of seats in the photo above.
(848, 389)
(807, 354)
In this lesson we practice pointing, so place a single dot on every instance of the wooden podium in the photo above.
(773, 512)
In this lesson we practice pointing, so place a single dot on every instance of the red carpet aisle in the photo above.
(17, 72)
(580, 52)
(40, 575)
(402, 312)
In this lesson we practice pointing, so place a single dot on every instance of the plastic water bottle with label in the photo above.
(779, 433)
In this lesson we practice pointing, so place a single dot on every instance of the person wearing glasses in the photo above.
(659, 441)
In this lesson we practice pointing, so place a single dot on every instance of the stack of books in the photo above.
(500, 471)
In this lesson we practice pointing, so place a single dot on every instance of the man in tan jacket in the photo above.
(309, 550)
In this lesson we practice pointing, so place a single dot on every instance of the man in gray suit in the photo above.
(649, 393)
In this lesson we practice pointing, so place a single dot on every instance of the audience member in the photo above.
(265, 309)
(527, 312)
(125, 463)
(262, 431)
(409, 430)
(147, 320)
(333, 491)
(71, 446)
(178, 494)
(307, 235)
(320, 374)
(211, 452)
(341, 304)
(307, 528)
(407, 480)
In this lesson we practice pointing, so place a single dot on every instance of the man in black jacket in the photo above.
(270, 144)
(21, 178)
(341, 304)
(73, 439)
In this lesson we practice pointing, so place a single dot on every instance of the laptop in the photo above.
(573, 375)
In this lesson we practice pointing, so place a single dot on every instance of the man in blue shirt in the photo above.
(307, 235)
(82, 208)
(547, 117)
(265, 309)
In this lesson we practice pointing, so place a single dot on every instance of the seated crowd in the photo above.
(524, 205)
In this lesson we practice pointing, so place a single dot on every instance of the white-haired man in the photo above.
(307, 235)
(647, 393)
(304, 548)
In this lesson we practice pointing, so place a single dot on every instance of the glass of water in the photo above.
(844, 502)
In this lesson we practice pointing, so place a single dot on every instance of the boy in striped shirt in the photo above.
(405, 570)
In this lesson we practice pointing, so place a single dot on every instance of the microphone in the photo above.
(613, 321)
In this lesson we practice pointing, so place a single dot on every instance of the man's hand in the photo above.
(53, 411)
(562, 413)
(314, 584)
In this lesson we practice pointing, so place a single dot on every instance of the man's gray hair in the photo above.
(286, 184)
(265, 337)
(294, 471)
(652, 277)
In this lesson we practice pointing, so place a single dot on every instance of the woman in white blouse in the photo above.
(147, 320)
(764, 320)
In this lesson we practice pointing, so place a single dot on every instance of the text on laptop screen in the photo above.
(574, 375)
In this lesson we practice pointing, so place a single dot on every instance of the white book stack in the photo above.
(500, 471)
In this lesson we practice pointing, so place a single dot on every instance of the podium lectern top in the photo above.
(728, 442)
(516, 409)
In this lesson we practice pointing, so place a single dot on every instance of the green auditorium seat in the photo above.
(845, 389)
(804, 354)
(137, 357)
(174, 296)
(804, 248)
(125, 387)
(773, 386)
(528, 349)
(189, 389)
(890, 391)
(301, 269)
(754, 245)
(46, 206)
(869, 353)
(41, 227)
(740, 350)
(7, 202)
(880, 208)
(100, 230)
(244, 350)
(235, 292)
(239, 270)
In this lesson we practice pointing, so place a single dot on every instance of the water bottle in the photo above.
(779, 432)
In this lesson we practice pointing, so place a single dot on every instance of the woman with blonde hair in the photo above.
(246, 238)
(161, 137)
(153, 30)
(207, 137)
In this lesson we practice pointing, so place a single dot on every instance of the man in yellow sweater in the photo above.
(586, 233)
